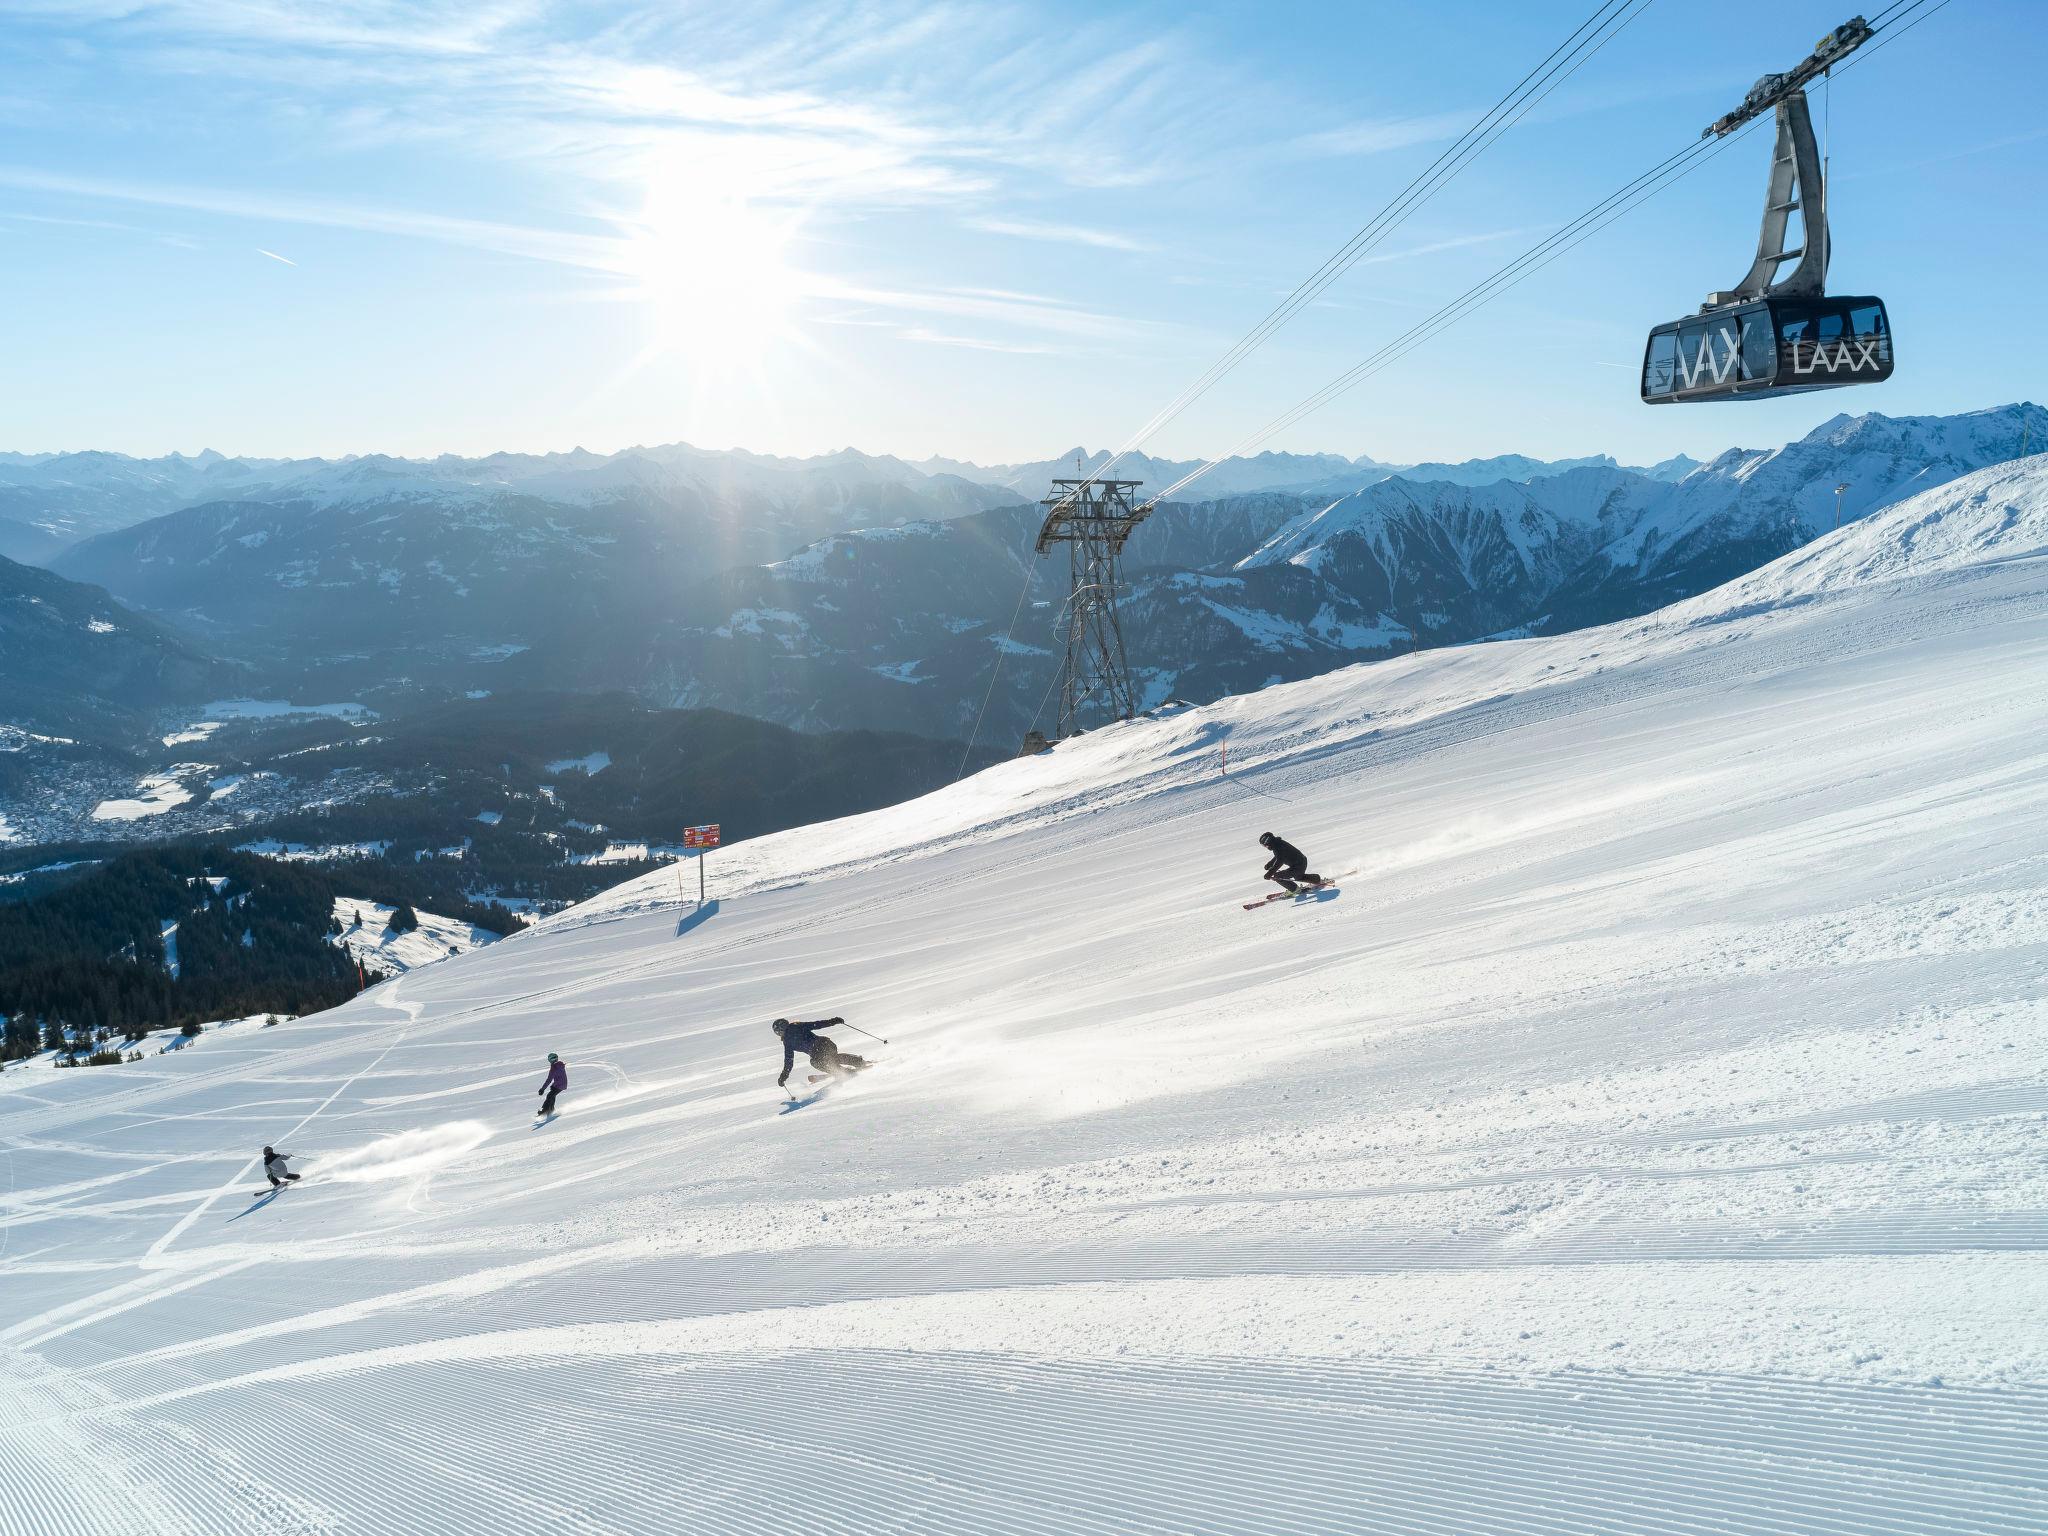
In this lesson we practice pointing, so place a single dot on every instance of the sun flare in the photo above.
(713, 274)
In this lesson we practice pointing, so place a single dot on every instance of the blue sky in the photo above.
(988, 231)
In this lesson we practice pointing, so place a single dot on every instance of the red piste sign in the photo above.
(703, 839)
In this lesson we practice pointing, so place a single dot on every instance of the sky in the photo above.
(988, 231)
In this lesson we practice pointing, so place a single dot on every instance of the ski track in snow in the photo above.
(1649, 1137)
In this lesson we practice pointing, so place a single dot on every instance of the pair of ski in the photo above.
(820, 1083)
(1329, 884)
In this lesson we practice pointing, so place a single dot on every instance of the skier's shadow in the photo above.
(703, 914)
(256, 1205)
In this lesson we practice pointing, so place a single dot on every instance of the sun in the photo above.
(712, 274)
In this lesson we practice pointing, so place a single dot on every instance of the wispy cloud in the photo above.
(1453, 243)
(1071, 234)
(1898, 167)
(61, 222)
(1021, 311)
(1377, 136)
(275, 257)
(828, 102)
(597, 252)
(919, 333)
(830, 110)
(835, 112)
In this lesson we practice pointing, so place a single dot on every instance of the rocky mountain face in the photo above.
(75, 663)
(1748, 507)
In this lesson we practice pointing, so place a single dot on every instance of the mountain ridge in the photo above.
(819, 617)
(73, 661)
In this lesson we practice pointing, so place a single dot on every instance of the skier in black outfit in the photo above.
(824, 1053)
(1288, 865)
(274, 1169)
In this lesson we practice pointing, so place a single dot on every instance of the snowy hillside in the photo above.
(1647, 1135)
(366, 934)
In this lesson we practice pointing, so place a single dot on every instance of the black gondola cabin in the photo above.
(1768, 347)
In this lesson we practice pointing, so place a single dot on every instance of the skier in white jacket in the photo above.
(273, 1166)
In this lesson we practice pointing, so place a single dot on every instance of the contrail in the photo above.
(275, 257)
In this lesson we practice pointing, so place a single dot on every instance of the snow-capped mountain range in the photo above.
(900, 626)
(51, 501)
(861, 591)
(1306, 474)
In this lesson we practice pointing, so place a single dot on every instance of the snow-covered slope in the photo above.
(366, 934)
(1647, 1136)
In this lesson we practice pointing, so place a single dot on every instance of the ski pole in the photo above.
(859, 1031)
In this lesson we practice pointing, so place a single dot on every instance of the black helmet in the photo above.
(779, 1025)
(267, 1152)
(1265, 839)
(553, 1057)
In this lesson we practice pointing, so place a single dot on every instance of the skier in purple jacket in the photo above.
(556, 1080)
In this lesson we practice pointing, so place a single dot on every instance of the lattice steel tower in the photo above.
(1094, 519)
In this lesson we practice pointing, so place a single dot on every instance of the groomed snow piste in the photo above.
(1650, 1136)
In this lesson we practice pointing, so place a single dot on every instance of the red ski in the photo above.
(1329, 884)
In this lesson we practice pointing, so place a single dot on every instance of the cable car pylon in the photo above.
(1094, 518)
(1771, 335)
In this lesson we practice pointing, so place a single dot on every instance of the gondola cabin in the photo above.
(1748, 351)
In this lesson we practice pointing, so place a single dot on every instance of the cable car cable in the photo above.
(1895, 30)
(1474, 142)
(1580, 229)
(1606, 23)
(996, 673)
(1877, 22)
(1451, 311)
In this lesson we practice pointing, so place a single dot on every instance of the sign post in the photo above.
(703, 839)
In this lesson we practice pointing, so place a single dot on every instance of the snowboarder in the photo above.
(824, 1053)
(275, 1170)
(1288, 864)
(556, 1080)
